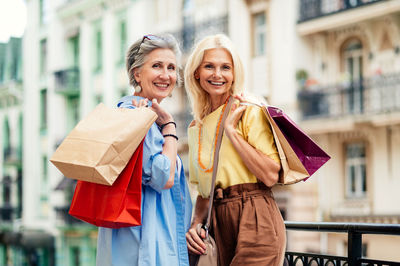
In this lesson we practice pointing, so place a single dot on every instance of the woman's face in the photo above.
(157, 76)
(215, 72)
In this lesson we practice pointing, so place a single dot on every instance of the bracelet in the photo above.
(171, 135)
(163, 125)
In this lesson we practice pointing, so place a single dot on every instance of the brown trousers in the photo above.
(248, 226)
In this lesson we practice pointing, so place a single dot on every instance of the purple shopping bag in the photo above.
(300, 155)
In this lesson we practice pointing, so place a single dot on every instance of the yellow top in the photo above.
(253, 127)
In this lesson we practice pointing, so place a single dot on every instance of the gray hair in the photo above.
(137, 54)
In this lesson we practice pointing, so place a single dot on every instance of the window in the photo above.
(75, 256)
(43, 57)
(72, 112)
(73, 45)
(122, 41)
(98, 47)
(356, 175)
(353, 67)
(44, 189)
(259, 38)
(43, 11)
(43, 110)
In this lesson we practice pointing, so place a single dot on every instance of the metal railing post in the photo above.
(354, 249)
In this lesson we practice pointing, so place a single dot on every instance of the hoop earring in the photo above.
(138, 89)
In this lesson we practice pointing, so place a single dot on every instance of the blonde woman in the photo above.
(247, 224)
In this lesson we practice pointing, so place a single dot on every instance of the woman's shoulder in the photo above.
(126, 101)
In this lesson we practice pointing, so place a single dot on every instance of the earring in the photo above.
(138, 89)
(170, 94)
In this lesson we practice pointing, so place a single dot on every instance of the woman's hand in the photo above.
(195, 241)
(163, 115)
(234, 116)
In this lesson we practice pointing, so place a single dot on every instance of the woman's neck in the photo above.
(217, 101)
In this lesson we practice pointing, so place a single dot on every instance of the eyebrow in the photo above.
(163, 62)
(223, 63)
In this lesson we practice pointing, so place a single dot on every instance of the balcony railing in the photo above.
(6, 212)
(375, 95)
(68, 81)
(311, 9)
(354, 233)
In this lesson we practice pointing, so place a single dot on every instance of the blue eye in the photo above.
(226, 67)
(172, 67)
(208, 66)
(156, 65)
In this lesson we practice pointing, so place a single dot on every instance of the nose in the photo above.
(217, 72)
(164, 74)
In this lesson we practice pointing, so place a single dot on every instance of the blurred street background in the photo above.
(332, 65)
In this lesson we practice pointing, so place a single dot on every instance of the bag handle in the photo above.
(215, 163)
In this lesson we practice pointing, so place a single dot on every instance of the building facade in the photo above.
(349, 101)
(331, 65)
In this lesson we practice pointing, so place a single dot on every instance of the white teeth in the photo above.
(161, 85)
(216, 83)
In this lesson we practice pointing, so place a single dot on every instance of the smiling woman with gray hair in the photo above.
(152, 64)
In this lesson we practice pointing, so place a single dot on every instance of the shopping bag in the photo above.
(300, 156)
(100, 145)
(113, 206)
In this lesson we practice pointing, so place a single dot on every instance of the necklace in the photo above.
(201, 165)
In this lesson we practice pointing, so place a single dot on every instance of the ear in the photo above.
(196, 75)
(136, 74)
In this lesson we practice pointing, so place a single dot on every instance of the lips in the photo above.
(161, 85)
(216, 83)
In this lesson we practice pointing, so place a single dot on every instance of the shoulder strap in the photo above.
(215, 163)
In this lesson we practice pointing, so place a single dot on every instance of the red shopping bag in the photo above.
(113, 206)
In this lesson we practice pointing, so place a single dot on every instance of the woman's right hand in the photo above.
(195, 241)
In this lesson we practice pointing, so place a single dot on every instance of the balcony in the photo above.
(323, 15)
(311, 9)
(354, 232)
(12, 156)
(6, 212)
(366, 99)
(68, 81)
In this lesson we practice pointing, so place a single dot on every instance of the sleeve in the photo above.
(104, 246)
(156, 166)
(257, 132)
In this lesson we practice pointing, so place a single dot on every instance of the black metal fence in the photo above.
(354, 233)
(311, 9)
(375, 95)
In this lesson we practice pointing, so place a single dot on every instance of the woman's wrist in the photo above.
(170, 123)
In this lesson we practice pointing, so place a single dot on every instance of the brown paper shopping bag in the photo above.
(101, 145)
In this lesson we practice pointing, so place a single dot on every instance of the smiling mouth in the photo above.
(161, 85)
(215, 83)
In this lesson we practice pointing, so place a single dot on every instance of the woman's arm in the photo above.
(258, 163)
(194, 241)
(170, 144)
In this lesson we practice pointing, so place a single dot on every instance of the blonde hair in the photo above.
(199, 98)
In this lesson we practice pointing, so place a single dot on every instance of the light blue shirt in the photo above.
(166, 213)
